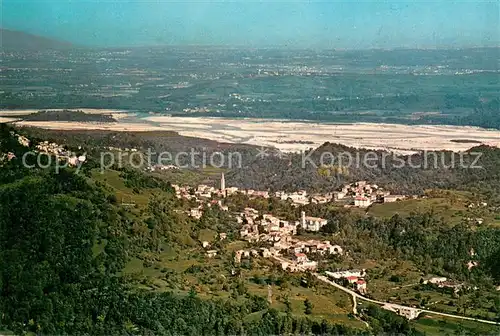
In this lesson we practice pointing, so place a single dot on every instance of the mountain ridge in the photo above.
(18, 40)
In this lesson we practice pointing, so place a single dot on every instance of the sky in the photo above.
(348, 24)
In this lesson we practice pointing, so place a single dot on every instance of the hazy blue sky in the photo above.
(328, 24)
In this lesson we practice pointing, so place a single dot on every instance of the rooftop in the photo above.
(314, 218)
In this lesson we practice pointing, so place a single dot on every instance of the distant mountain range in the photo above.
(17, 40)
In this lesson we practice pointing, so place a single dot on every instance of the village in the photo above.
(279, 236)
(360, 194)
(275, 238)
(50, 148)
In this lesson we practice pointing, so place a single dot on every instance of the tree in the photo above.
(308, 306)
(192, 292)
(288, 305)
(241, 288)
(309, 281)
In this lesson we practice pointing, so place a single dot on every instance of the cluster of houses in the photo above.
(278, 234)
(477, 220)
(111, 148)
(263, 252)
(353, 277)
(443, 282)
(60, 152)
(477, 205)
(23, 141)
(6, 156)
(359, 194)
(198, 211)
(301, 250)
(293, 245)
(299, 262)
(201, 193)
(160, 167)
(270, 228)
(206, 245)
(51, 148)
(298, 198)
(364, 194)
(256, 227)
(206, 191)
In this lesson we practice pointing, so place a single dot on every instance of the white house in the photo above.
(361, 286)
(195, 213)
(312, 223)
(437, 280)
(393, 198)
(352, 279)
(300, 258)
(362, 202)
(211, 253)
(345, 274)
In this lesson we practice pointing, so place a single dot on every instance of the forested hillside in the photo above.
(410, 174)
(67, 115)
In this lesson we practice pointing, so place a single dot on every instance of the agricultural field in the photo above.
(452, 206)
(438, 325)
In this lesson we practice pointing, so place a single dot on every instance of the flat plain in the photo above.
(289, 136)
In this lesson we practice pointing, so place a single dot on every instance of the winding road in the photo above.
(388, 305)
(385, 305)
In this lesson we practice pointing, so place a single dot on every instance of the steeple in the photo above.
(222, 183)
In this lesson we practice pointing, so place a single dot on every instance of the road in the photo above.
(347, 290)
(354, 305)
(386, 305)
(460, 317)
(356, 295)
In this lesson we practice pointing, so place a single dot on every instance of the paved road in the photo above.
(356, 295)
(354, 305)
(347, 290)
(460, 317)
